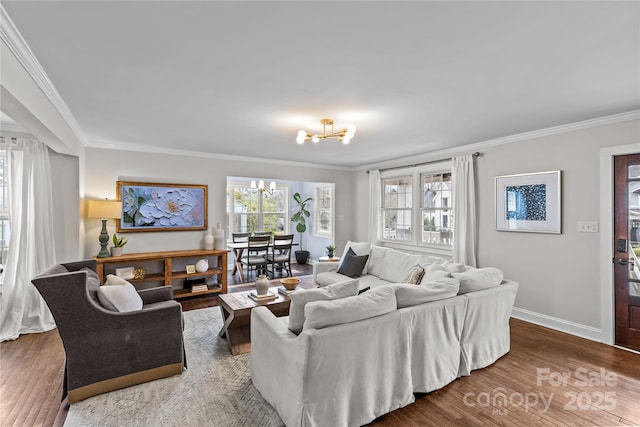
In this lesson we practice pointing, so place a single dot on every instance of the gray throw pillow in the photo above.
(352, 264)
(93, 282)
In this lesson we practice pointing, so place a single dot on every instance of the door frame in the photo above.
(607, 291)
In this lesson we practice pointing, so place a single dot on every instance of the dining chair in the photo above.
(240, 237)
(280, 255)
(257, 251)
(262, 233)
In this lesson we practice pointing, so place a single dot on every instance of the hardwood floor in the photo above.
(548, 378)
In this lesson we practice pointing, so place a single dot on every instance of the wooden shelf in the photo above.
(186, 293)
(184, 275)
(167, 275)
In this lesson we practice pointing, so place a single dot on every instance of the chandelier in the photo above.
(261, 188)
(343, 135)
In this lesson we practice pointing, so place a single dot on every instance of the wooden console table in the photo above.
(168, 274)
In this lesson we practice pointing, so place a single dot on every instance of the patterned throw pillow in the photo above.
(415, 277)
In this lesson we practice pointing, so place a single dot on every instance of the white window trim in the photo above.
(316, 210)
(415, 244)
(246, 184)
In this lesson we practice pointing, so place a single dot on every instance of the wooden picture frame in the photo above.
(530, 202)
(150, 206)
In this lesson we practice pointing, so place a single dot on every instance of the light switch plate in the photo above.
(588, 226)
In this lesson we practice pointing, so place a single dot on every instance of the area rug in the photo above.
(216, 390)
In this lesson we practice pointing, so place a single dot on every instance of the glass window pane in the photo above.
(398, 193)
(397, 224)
(634, 172)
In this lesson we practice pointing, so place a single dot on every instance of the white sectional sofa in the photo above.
(359, 356)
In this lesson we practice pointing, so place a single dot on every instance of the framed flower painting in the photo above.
(161, 207)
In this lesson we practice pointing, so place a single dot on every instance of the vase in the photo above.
(116, 251)
(330, 254)
(219, 238)
(208, 241)
(262, 285)
(202, 265)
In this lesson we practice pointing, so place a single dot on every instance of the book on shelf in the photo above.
(199, 288)
(268, 297)
(284, 290)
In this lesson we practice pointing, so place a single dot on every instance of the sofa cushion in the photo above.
(121, 298)
(434, 272)
(353, 264)
(478, 279)
(415, 275)
(397, 266)
(327, 278)
(301, 297)
(454, 267)
(360, 248)
(322, 314)
(376, 260)
(410, 295)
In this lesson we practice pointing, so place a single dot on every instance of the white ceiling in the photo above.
(240, 78)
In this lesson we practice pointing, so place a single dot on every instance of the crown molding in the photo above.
(478, 146)
(12, 127)
(10, 35)
(139, 148)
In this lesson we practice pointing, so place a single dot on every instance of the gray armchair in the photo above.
(107, 350)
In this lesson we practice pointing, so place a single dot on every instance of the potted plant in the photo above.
(299, 217)
(118, 243)
(330, 250)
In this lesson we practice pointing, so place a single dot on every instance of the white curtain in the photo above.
(464, 208)
(31, 246)
(375, 205)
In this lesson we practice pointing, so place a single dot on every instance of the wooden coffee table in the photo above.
(236, 313)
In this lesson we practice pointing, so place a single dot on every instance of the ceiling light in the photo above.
(344, 135)
(261, 188)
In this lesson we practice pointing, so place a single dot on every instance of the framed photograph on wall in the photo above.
(529, 202)
(150, 206)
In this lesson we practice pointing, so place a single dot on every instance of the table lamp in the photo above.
(104, 209)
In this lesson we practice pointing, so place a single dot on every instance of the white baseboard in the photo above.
(583, 331)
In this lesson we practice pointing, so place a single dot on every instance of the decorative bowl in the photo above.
(290, 283)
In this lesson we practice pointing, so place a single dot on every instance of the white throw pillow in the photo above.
(376, 302)
(431, 274)
(301, 297)
(478, 279)
(114, 280)
(397, 265)
(410, 295)
(455, 267)
(120, 298)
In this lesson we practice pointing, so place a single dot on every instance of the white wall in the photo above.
(105, 167)
(65, 184)
(558, 274)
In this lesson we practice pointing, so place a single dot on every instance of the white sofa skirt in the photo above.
(344, 375)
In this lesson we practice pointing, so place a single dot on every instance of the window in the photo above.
(417, 207)
(323, 208)
(249, 210)
(437, 215)
(397, 208)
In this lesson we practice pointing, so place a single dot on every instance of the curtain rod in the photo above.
(476, 154)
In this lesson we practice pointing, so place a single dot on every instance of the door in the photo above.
(627, 249)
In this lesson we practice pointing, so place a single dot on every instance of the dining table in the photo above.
(238, 249)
